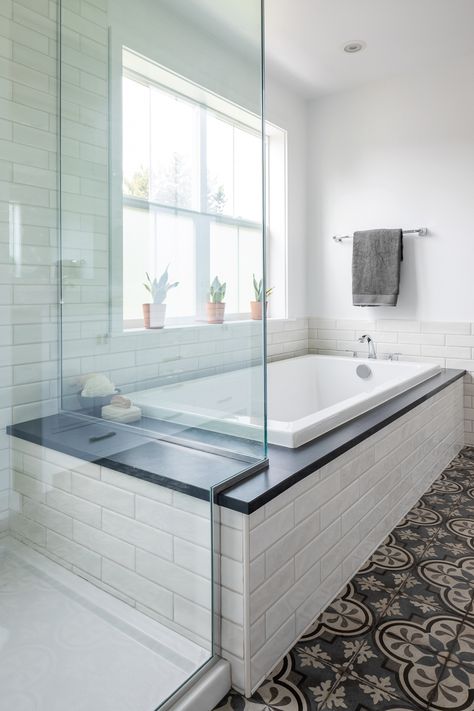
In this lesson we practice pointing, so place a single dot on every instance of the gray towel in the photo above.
(376, 257)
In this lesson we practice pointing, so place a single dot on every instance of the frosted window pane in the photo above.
(235, 256)
(152, 240)
(175, 245)
(224, 262)
(250, 262)
(138, 233)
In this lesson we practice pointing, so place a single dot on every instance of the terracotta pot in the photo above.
(256, 310)
(215, 312)
(154, 315)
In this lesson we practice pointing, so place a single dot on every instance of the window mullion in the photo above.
(202, 223)
(150, 146)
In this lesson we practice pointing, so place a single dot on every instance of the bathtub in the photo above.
(307, 396)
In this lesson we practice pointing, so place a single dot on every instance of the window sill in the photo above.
(202, 324)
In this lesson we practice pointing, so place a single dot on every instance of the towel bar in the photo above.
(421, 232)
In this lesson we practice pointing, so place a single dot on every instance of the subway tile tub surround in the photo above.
(300, 548)
(146, 544)
(280, 565)
(399, 636)
(449, 344)
(140, 359)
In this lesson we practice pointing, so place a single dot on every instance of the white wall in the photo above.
(396, 153)
(287, 109)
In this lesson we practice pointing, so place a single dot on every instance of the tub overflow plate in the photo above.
(363, 371)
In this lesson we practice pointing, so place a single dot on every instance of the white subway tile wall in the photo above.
(28, 221)
(304, 545)
(448, 344)
(143, 359)
(145, 544)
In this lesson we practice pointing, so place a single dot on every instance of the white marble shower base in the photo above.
(64, 644)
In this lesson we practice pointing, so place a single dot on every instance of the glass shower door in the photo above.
(162, 254)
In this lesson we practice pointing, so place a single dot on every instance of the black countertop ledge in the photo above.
(195, 472)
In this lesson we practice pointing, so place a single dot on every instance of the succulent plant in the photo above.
(217, 291)
(258, 289)
(158, 288)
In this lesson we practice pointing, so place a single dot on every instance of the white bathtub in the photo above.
(307, 396)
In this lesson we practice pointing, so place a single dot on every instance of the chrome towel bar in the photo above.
(421, 232)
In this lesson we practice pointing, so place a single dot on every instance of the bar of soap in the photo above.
(121, 414)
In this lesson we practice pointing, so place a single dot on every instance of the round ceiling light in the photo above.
(354, 46)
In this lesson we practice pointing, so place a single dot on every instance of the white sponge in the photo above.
(97, 385)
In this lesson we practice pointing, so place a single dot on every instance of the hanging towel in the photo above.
(376, 257)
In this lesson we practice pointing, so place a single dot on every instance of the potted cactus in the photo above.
(216, 305)
(154, 313)
(256, 306)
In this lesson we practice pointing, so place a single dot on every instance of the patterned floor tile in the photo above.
(462, 513)
(355, 694)
(455, 689)
(422, 515)
(445, 486)
(299, 683)
(336, 635)
(236, 702)
(418, 546)
(464, 458)
(410, 603)
(451, 581)
(460, 471)
(447, 546)
(400, 637)
(389, 564)
(370, 580)
(406, 657)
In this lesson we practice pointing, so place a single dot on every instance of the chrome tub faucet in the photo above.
(370, 343)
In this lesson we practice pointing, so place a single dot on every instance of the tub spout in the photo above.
(370, 343)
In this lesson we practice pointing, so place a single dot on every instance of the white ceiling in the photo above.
(304, 39)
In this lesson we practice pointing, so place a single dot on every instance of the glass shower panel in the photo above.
(160, 195)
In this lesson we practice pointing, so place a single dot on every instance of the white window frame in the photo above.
(144, 71)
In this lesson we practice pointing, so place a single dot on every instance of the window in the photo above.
(191, 195)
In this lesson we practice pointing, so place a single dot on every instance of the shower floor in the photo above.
(65, 644)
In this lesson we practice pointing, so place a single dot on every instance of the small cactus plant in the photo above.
(217, 291)
(158, 288)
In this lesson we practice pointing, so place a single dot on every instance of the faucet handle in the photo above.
(393, 356)
(350, 350)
